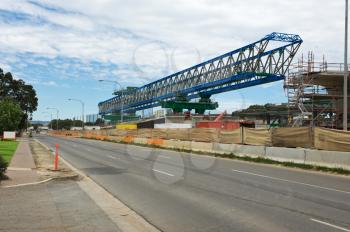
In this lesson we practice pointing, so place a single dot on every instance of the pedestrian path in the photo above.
(22, 167)
(52, 206)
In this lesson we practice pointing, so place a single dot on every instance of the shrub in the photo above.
(3, 167)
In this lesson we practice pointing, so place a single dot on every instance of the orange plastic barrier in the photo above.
(156, 142)
(128, 139)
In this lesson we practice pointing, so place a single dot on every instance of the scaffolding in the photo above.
(315, 93)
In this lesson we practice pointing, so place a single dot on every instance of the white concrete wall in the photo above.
(334, 159)
(283, 154)
(296, 155)
(173, 126)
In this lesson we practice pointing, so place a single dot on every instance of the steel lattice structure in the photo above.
(266, 60)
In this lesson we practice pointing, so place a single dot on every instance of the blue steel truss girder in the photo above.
(241, 81)
(228, 87)
(226, 69)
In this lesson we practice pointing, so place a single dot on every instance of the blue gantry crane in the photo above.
(266, 60)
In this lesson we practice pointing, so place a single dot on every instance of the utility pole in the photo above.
(50, 118)
(57, 112)
(345, 91)
(82, 109)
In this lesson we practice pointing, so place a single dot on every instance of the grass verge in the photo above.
(7, 149)
(262, 160)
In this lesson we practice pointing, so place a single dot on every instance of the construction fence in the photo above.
(304, 137)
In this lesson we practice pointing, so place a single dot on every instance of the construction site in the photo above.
(313, 89)
(315, 93)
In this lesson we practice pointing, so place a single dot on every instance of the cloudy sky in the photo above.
(64, 47)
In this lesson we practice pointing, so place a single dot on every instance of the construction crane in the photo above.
(264, 61)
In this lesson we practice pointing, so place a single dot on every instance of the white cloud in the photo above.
(146, 40)
(101, 30)
(49, 83)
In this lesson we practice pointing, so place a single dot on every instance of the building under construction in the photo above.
(315, 93)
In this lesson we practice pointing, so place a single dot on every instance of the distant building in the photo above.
(92, 127)
(92, 118)
(45, 123)
(43, 128)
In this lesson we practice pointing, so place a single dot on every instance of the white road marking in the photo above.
(330, 225)
(165, 157)
(26, 184)
(291, 181)
(112, 157)
(18, 169)
(165, 173)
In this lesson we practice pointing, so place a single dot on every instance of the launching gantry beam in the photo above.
(264, 61)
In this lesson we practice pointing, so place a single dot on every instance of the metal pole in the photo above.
(83, 109)
(345, 103)
(57, 120)
(57, 111)
(27, 123)
(51, 121)
(49, 113)
(122, 110)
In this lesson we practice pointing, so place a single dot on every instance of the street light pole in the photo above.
(122, 97)
(122, 106)
(345, 100)
(57, 111)
(82, 109)
(50, 118)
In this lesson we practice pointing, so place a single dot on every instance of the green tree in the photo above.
(10, 115)
(36, 126)
(21, 93)
(99, 122)
(65, 124)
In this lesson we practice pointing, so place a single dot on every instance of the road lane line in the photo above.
(165, 157)
(291, 181)
(330, 225)
(18, 169)
(112, 157)
(165, 173)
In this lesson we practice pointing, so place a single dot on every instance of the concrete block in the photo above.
(169, 143)
(140, 140)
(185, 145)
(248, 150)
(222, 147)
(295, 155)
(334, 159)
(202, 146)
(178, 144)
(118, 138)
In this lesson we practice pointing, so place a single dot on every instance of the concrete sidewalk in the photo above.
(58, 200)
(22, 167)
(57, 205)
(52, 206)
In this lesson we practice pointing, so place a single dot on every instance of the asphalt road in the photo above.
(183, 192)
